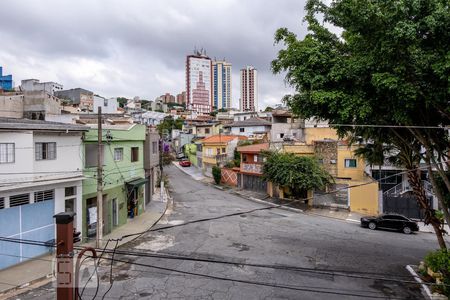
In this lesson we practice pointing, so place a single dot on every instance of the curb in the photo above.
(425, 290)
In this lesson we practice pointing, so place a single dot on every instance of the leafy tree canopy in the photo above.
(296, 172)
(390, 64)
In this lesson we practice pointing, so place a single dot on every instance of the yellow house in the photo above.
(218, 149)
(347, 170)
(203, 129)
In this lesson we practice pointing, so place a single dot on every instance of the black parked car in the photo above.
(390, 221)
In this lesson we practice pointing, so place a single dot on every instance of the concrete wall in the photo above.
(110, 107)
(288, 129)
(11, 105)
(318, 133)
(344, 152)
(249, 130)
(40, 101)
(364, 199)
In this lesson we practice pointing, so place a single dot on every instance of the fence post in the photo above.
(64, 256)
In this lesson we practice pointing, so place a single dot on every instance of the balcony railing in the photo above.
(218, 157)
(252, 168)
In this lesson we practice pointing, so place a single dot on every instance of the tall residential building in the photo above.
(181, 98)
(6, 82)
(168, 98)
(221, 71)
(249, 89)
(198, 82)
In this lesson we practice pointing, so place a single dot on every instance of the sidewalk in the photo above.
(39, 269)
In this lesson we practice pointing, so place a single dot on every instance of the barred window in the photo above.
(118, 154)
(7, 154)
(2, 203)
(70, 191)
(45, 151)
(44, 195)
(18, 200)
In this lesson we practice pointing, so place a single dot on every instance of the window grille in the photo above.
(18, 200)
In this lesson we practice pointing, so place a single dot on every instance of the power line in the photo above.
(323, 290)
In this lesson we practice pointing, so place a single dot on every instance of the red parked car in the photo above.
(185, 163)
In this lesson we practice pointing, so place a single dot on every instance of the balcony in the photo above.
(215, 158)
(252, 168)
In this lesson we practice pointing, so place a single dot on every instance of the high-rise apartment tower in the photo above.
(221, 74)
(198, 82)
(249, 89)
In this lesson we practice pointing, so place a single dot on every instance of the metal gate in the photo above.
(406, 206)
(29, 222)
(254, 183)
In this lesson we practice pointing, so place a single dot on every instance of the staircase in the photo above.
(404, 187)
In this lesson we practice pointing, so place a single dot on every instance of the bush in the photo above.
(217, 174)
(439, 261)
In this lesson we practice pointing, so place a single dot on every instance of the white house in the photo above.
(252, 128)
(109, 106)
(40, 175)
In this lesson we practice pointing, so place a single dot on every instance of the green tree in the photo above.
(299, 173)
(268, 109)
(390, 65)
(122, 101)
(217, 174)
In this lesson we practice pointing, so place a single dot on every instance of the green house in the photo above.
(123, 176)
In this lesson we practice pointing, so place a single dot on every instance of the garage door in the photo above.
(30, 222)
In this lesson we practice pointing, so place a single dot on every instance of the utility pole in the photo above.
(64, 255)
(99, 230)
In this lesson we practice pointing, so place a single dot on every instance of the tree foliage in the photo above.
(389, 66)
(299, 173)
(168, 124)
(217, 174)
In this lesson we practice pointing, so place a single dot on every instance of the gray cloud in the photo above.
(139, 47)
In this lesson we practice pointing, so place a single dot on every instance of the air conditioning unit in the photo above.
(332, 161)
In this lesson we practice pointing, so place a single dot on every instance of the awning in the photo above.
(136, 182)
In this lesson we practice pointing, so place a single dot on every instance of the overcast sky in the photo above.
(138, 47)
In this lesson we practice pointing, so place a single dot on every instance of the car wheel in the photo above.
(407, 230)
(372, 225)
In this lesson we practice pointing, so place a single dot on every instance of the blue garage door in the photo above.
(29, 222)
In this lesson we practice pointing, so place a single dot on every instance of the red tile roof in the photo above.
(256, 148)
(220, 138)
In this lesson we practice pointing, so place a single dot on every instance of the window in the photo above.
(44, 195)
(241, 129)
(154, 147)
(70, 191)
(281, 135)
(6, 153)
(18, 200)
(105, 102)
(2, 203)
(350, 163)
(90, 155)
(206, 130)
(45, 151)
(69, 205)
(224, 150)
(320, 161)
(244, 157)
(134, 154)
(118, 154)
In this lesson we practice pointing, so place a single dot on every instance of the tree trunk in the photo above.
(438, 194)
(430, 218)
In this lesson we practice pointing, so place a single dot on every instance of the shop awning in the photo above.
(136, 182)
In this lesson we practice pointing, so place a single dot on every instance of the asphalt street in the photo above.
(304, 256)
